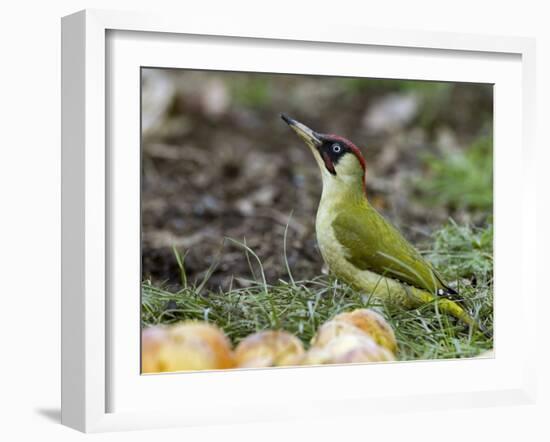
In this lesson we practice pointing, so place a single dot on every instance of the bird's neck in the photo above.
(343, 189)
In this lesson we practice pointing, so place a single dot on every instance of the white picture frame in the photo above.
(93, 360)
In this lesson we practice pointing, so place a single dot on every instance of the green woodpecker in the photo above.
(357, 243)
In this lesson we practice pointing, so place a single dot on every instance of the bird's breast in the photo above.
(332, 251)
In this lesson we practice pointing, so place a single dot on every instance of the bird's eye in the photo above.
(336, 148)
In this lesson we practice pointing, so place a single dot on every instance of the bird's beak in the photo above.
(311, 138)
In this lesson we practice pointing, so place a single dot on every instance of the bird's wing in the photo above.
(374, 244)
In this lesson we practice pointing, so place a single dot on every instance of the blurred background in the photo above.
(217, 161)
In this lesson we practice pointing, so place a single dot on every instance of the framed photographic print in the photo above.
(268, 222)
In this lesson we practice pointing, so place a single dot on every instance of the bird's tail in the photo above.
(452, 308)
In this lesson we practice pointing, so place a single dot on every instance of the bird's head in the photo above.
(340, 161)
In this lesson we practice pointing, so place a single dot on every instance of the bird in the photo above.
(358, 244)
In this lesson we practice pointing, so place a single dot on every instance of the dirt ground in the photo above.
(217, 161)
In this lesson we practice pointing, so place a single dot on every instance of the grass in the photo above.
(251, 91)
(462, 253)
(463, 179)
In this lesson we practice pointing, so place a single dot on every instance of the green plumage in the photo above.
(374, 244)
(357, 243)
